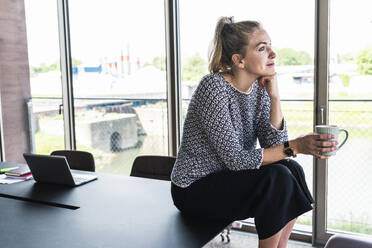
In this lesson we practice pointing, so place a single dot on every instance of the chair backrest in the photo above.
(155, 167)
(348, 241)
(78, 160)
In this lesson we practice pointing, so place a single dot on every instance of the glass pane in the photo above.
(350, 90)
(119, 80)
(292, 32)
(47, 130)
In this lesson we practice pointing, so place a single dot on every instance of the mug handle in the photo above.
(343, 142)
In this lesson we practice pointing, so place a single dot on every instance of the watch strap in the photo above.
(286, 144)
(288, 150)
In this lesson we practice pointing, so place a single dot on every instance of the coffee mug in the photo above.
(334, 130)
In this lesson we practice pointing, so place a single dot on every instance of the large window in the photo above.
(350, 107)
(120, 94)
(44, 115)
(119, 80)
(292, 32)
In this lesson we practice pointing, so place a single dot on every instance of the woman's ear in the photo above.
(238, 61)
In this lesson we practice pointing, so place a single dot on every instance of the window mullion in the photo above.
(321, 117)
(66, 74)
(173, 74)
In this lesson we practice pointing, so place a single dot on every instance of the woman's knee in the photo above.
(278, 168)
(279, 173)
(291, 164)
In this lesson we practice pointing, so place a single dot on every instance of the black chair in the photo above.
(78, 160)
(346, 240)
(160, 167)
(154, 167)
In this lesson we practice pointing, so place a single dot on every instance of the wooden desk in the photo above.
(113, 211)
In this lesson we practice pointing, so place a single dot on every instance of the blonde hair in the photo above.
(229, 38)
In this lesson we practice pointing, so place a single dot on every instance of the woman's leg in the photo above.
(271, 242)
(284, 202)
(280, 239)
(298, 172)
(286, 232)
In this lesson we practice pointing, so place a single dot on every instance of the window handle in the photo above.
(322, 114)
(60, 108)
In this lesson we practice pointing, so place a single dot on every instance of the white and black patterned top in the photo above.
(221, 130)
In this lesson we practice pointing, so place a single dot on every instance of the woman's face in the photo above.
(259, 57)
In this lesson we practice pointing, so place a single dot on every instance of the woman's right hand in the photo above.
(314, 144)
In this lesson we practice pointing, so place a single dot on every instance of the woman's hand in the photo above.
(271, 84)
(314, 144)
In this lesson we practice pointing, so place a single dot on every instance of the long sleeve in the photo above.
(220, 131)
(216, 123)
(267, 134)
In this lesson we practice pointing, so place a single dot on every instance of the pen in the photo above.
(7, 169)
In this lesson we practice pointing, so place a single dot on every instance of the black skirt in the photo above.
(274, 195)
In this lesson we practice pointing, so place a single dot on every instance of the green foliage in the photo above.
(158, 62)
(194, 68)
(346, 58)
(34, 70)
(364, 61)
(345, 79)
(288, 56)
(75, 62)
(46, 143)
(351, 226)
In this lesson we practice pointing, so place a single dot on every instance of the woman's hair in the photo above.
(229, 38)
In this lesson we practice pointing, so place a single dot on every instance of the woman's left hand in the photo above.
(271, 85)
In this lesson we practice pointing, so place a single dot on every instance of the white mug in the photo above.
(334, 130)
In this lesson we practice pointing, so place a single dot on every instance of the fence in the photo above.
(130, 127)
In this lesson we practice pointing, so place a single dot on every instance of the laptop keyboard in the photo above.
(80, 178)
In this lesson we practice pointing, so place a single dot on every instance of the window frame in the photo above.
(319, 233)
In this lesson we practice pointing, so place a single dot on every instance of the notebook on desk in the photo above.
(55, 169)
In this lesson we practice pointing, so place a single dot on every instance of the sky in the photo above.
(105, 29)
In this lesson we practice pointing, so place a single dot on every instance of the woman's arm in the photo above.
(270, 83)
(311, 144)
(270, 127)
(276, 116)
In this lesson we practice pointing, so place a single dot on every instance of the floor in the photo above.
(247, 240)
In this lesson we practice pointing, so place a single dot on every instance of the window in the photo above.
(119, 80)
(350, 107)
(292, 32)
(44, 108)
(119, 85)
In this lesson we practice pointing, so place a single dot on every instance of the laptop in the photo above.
(55, 169)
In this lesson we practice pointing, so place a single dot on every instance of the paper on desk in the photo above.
(9, 180)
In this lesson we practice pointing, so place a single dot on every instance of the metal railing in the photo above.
(131, 126)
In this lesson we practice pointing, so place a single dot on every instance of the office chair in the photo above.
(160, 167)
(78, 160)
(348, 241)
(154, 167)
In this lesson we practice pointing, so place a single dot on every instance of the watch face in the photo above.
(288, 151)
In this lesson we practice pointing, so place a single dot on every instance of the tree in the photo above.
(194, 68)
(75, 62)
(345, 58)
(159, 62)
(345, 78)
(364, 61)
(42, 68)
(288, 56)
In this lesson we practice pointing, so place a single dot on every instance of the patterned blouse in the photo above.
(221, 130)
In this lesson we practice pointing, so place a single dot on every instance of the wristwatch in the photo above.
(288, 150)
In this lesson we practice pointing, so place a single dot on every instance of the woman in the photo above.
(219, 172)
